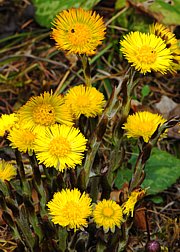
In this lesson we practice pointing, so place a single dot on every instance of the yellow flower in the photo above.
(146, 52)
(108, 213)
(61, 146)
(78, 31)
(70, 208)
(142, 124)
(128, 206)
(85, 100)
(7, 170)
(7, 122)
(22, 138)
(171, 42)
(43, 111)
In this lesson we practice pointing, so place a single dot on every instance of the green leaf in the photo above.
(145, 91)
(162, 170)
(160, 10)
(170, 13)
(45, 11)
(157, 199)
(120, 4)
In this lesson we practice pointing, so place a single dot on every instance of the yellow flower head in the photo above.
(146, 52)
(22, 138)
(43, 111)
(61, 146)
(7, 170)
(85, 100)
(70, 208)
(108, 213)
(78, 31)
(171, 42)
(128, 206)
(142, 124)
(7, 122)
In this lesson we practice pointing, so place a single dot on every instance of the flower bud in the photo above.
(153, 246)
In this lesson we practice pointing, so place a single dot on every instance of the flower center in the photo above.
(79, 34)
(44, 114)
(108, 212)
(146, 55)
(28, 137)
(59, 147)
(72, 211)
(83, 102)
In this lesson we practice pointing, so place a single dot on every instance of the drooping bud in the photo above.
(153, 246)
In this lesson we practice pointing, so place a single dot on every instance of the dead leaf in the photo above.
(174, 132)
(139, 219)
(168, 108)
(165, 106)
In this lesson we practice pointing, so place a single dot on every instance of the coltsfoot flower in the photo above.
(128, 206)
(70, 208)
(108, 214)
(7, 171)
(78, 31)
(142, 124)
(43, 111)
(22, 138)
(60, 146)
(85, 100)
(171, 42)
(146, 52)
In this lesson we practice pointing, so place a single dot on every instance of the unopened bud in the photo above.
(153, 246)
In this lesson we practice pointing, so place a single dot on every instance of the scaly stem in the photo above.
(20, 167)
(38, 184)
(116, 157)
(86, 70)
(136, 178)
(138, 175)
(62, 238)
(111, 109)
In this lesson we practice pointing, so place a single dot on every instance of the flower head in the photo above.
(78, 31)
(85, 100)
(7, 122)
(108, 213)
(128, 206)
(142, 124)
(22, 138)
(146, 52)
(171, 42)
(60, 146)
(70, 208)
(43, 111)
(7, 170)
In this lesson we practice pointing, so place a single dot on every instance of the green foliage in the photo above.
(157, 199)
(162, 170)
(120, 4)
(132, 21)
(145, 91)
(160, 10)
(170, 13)
(45, 11)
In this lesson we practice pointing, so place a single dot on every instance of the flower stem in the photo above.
(20, 167)
(138, 175)
(38, 184)
(111, 109)
(86, 70)
(138, 172)
(62, 238)
(117, 154)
